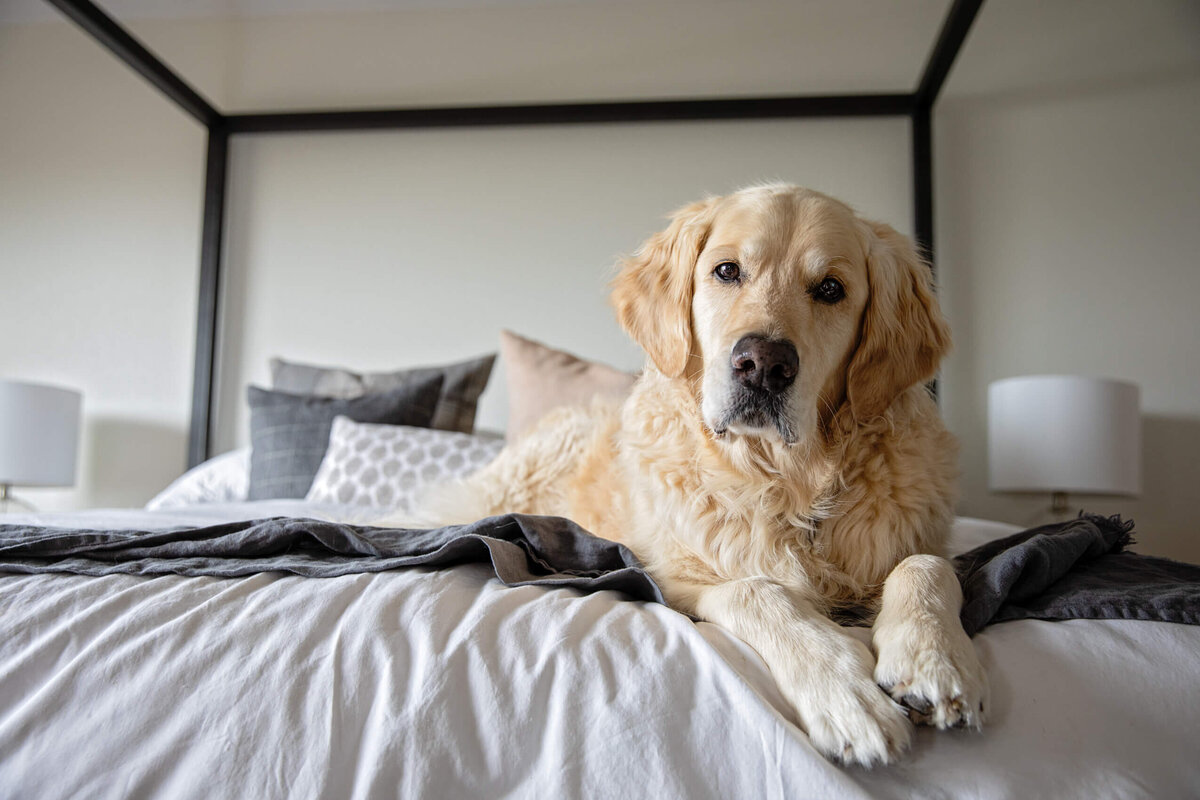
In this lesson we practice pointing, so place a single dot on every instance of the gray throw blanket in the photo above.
(1072, 570)
(521, 549)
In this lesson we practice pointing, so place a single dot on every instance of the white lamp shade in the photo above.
(1059, 433)
(39, 434)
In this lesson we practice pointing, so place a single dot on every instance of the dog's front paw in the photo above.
(934, 672)
(847, 718)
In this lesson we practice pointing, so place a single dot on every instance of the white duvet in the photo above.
(447, 684)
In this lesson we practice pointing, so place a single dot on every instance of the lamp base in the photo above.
(1059, 506)
(7, 501)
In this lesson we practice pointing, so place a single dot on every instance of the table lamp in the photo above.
(1064, 433)
(39, 434)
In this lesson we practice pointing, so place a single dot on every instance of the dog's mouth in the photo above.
(756, 413)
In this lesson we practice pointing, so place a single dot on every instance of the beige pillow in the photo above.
(541, 378)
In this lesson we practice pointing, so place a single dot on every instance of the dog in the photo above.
(779, 460)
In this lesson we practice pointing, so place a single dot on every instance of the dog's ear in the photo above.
(904, 335)
(652, 293)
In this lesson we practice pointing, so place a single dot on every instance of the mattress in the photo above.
(422, 683)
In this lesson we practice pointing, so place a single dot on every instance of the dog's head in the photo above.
(780, 305)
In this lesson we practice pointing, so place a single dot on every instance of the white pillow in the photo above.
(386, 466)
(221, 479)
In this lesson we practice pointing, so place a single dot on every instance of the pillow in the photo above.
(541, 378)
(220, 479)
(387, 465)
(289, 432)
(463, 383)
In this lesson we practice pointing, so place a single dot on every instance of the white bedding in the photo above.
(448, 684)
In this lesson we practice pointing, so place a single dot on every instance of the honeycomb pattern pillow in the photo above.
(290, 432)
(386, 466)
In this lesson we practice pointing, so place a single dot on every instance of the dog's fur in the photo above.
(767, 518)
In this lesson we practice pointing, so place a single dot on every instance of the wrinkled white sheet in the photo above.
(447, 684)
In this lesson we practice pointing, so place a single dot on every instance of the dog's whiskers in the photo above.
(826, 405)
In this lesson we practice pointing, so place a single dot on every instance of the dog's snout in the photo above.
(768, 365)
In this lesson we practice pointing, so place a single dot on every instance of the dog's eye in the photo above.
(829, 291)
(727, 271)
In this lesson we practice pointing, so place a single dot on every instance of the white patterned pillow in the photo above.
(387, 465)
(221, 479)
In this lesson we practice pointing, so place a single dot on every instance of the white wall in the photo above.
(436, 239)
(390, 249)
(1068, 198)
(100, 189)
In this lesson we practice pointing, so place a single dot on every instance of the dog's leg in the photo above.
(924, 659)
(823, 673)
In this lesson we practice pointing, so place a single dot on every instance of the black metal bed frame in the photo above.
(917, 105)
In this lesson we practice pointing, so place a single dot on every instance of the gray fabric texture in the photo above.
(289, 433)
(1075, 570)
(458, 400)
(546, 551)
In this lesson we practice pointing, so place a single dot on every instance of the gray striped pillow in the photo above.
(289, 433)
(463, 382)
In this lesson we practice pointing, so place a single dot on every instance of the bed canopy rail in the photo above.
(916, 105)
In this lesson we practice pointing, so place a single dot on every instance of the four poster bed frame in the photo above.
(916, 105)
(369, 680)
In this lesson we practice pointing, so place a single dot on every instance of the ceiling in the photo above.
(282, 54)
(1031, 49)
(260, 55)
(40, 11)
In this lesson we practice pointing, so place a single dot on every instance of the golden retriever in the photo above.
(778, 460)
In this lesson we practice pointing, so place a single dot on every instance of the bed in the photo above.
(445, 683)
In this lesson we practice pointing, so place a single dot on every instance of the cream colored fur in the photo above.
(767, 530)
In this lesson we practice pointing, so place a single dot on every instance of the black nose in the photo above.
(764, 364)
